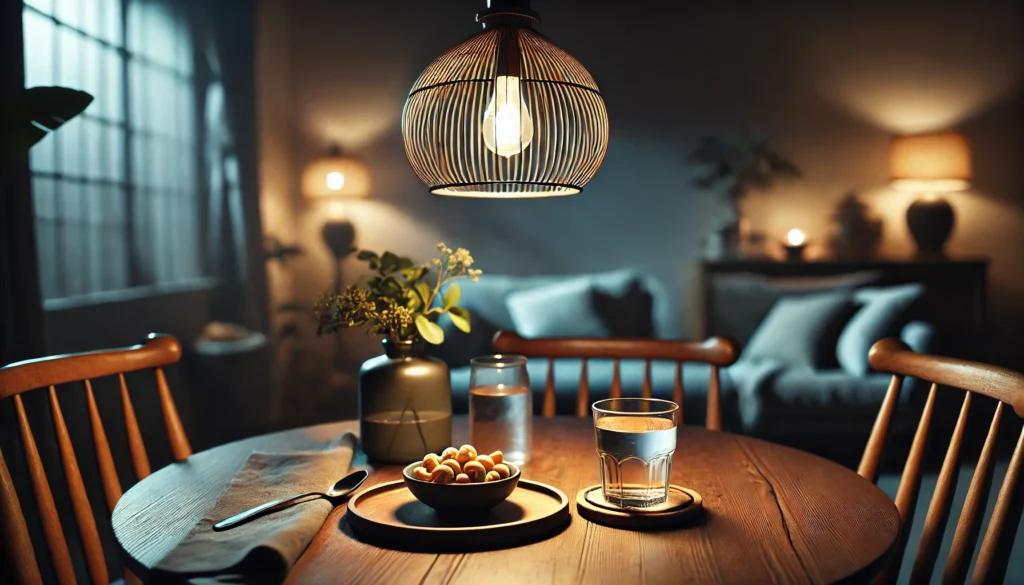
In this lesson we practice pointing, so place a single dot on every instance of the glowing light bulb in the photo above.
(335, 181)
(795, 237)
(507, 125)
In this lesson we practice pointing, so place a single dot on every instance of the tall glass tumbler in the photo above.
(636, 438)
(500, 406)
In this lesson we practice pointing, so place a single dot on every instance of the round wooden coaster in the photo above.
(390, 516)
(683, 505)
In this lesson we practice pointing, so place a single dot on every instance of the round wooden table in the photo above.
(772, 514)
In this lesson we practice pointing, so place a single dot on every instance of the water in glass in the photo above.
(500, 406)
(636, 439)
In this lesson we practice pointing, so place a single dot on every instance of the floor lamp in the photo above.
(331, 180)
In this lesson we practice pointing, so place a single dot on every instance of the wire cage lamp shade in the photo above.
(505, 114)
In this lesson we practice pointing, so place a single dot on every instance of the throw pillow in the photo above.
(626, 311)
(562, 309)
(883, 312)
(800, 330)
(739, 302)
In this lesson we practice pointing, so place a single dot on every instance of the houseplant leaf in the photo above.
(424, 291)
(460, 318)
(388, 263)
(430, 332)
(28, 116)
(452, 295)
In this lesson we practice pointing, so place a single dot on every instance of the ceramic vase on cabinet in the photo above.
(405, 404)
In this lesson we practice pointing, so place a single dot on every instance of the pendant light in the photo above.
(505, 114)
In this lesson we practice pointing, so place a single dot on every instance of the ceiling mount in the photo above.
(507, 12)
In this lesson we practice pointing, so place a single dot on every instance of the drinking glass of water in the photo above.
(636, 438)
(500, 406)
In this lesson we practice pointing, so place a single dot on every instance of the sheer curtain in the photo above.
(145, 193)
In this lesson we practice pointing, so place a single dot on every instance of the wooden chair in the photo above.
(158, 351)
(715, 351)
(1007, 387)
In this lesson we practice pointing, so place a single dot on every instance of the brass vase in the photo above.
(405, 404)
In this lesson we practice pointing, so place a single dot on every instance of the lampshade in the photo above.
(931, 163)
(335, 176)
(505, 114)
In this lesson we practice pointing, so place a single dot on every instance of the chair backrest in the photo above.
(1007, 387)
(718, 352)
(157, 351)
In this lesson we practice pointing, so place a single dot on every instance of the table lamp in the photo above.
(795, 244)
(930, 165)
(333, 179)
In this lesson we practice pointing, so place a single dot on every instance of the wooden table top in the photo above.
(772, 515)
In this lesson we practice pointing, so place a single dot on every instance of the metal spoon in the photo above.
(342, 488)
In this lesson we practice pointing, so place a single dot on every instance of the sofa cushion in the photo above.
(562, 309)
(882, 314)
(630, 304)
(625, 307)
(800, 330)
(739, 302)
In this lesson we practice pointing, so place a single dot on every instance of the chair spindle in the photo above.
(52, 530)
(645, 391)
(104, 460)
(966, 536)
(880, 432)
(175, 431)
(616, 389)
(1002, 527)
(14, 540)
(910, 486)
(140, 461)
(583, 395)
(94, 560)
(549, 391)
(677, 389)
(714, 414)
(942, 501)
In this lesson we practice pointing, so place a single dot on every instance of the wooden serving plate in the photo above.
(389, 516)
(683, 506)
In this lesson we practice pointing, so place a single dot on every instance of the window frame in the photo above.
(139, 286)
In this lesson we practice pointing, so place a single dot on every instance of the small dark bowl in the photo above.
(456, 496)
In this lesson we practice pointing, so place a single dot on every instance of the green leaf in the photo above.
(415, 303)
(414, 274)
(430, 332)
(460, 318)
(388, 263)
(452, 295)
(404, 263)
(424, 291)
(390, 286)
(29, 115)
(365, 255)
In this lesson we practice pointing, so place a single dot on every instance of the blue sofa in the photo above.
(759, 396)
(644, 303)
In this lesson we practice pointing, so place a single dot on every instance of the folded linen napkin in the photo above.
(264, 549)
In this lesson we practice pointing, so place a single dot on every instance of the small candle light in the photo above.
(795, 244)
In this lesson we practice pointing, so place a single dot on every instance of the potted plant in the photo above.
(404, 396)
(737, 167)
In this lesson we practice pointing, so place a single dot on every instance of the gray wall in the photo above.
(829, 81)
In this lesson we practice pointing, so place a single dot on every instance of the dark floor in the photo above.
(889, 483)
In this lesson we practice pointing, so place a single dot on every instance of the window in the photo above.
(116, 190)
